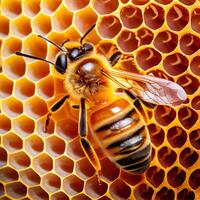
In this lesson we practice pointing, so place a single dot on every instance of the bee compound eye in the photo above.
(87, 47)
(74, 53)
(61, 63)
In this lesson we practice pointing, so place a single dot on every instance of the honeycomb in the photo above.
(160, 36)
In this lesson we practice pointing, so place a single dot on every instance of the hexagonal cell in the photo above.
(43, 163)
(24, 89)
(12, 142)
(62, 19)
(164, 2)
(143, 191)
(83, 21)
(38, 193)
(106, 6)
(19, 160)
(157, 134)
(8, 174)
(189, 44)
(148, 58)
(185, 194)
(194, 180)
(12, 107)
(187, 2)
(11, 69)
(196, 103)
(139, 2)
(16, 190)
(166, 156)
(31, 8)
(6, 86)
(23, 125)
(51, 182)
(144, 36)
(74, 149)
(4, 26)
(131, 179)
(41, 24)
(29, 177)
(195, 65)
(187, 117)
(64, 166)
(5, 124)
(195, 17)
(21, 26)
(109, 26)
(76, 4)
(154, 16)
(1, 189)
(81, 196)
(11, 9)
(195, 138)
(10, 46)
(59, 196)
(164, 115)
(165, 193)
(34, 145)
(176, 136)
(175, 64)
(72, 185)
(3, 157)
(50, 6)
(176, 177)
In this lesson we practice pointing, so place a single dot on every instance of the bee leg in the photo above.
(54, 108)
(115, 58)
(85, 144)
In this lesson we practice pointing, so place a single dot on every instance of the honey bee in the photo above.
(117, 122)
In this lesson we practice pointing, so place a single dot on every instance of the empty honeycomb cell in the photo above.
(104, 198)
(55, 146)
(11, 8)
(195, 18)
(189, 44)
(176, 136)
(139, 2)
(154, 16)
(42, 163)
(127, 41)
(194, 179)
(5, 124)
(164, 193)
(23, 125)
(175, 64)
(188, 157)
(33, 145)
(41, 24)
(166, 156)
(10, 46)
(187, 2)
(157, 134)
(185, 194)
(64, 166)
(3, 157)
(13, 70)
(81, 196)
(176, 177)
(143, 191)
(51, 182)
(155, 176)
(29, 177)
(187, 117)
(109, 26)
(72, 185)
(19, 160)
(59, 196)
(16, 190)
(119, 190)
(124, 1)
(21, 26)
(1, 189)
(164, 115)
(50, 6)
(6, 86)
(164, 2)
(195, 65)
(12, 142)
(31, 8)
(144, 36)
(12, 107)
(8, 174)
(196, 103)
(166, 41)
(177, 17)
(131, 16)
(94, 189)
(4, 26)
(84, 169)
(195, 138)
(38, 193)
(131, 179)
(76, 5)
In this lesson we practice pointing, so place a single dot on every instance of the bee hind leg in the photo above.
(85, 144)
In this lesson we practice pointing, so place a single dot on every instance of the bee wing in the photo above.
(150, 89)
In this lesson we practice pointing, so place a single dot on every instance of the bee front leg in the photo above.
(85, 144)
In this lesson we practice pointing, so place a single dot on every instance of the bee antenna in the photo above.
(88, 31)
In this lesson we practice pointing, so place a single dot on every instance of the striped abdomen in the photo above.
(123, 135)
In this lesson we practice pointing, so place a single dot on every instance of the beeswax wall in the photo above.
(162, 36)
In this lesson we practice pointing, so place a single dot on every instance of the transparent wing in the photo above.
(149, 88)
